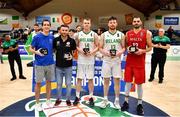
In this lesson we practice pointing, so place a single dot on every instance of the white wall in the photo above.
(8, 13)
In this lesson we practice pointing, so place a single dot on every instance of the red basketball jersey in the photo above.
(138, 40)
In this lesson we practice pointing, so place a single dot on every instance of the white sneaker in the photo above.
(116, 105)
(49, 103)
(38, 107)
(104, 103)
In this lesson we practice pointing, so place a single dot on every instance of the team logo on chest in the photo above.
(68, 44)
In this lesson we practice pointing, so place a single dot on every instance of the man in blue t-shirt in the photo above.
(42, 47)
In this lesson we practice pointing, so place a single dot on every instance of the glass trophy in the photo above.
(133, 49)
(86, 48)
(113, 50)
(44, 51)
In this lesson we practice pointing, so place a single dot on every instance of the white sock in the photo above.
(139, 101)
(91, 94)
(105, 97)
(127, 90)
(140, 93)
(77, 94)
(117, 99)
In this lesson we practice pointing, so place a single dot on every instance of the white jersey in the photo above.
(86, 40)
(112, 41)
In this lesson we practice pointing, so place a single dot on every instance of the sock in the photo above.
(78, 94)
(139, 101)
(117, 99)
(91, 94)
(105, 97)
(140, 93)
(127, 90)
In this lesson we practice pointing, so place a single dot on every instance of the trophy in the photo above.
(113, 50)
(44, 51)
(68, 56)
(86, 49)
(133, 49)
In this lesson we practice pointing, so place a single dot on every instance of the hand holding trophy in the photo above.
(113, 51)
(86, 49)
(44, 51)
(133, 49)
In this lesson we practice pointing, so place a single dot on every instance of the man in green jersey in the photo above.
(10, 47)
(160, 43)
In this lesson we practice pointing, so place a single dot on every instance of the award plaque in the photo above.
(67, 56)
(133, 49)
(86, 50)
(44, 51)
(112, 52)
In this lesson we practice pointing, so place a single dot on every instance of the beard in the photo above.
(64, 35)
(112, 28)
(137, 26)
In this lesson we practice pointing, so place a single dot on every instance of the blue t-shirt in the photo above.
(46, 42)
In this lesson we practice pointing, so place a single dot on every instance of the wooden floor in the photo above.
(165, 96)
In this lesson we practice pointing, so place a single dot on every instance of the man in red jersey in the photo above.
(138, 42)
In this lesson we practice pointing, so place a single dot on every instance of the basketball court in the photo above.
(17, 97)
(165, 96)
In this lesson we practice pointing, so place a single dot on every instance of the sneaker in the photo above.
(49, 103)
(116, 105)
(58, 102)
(30, 64)
(68, 102)
(104, 104)
(125, 106)
(22, 77)
(38, 107)
(160, 81)
(139, 110)
(14, 78)
(151, 79)
(91, 101)
(76, 101)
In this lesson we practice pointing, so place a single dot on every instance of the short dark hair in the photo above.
(78, 26)
(58, 28)
(72, 30)
(46, 20)
(136, 16)
(36, 24)
(112, 18)
(63, 25)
